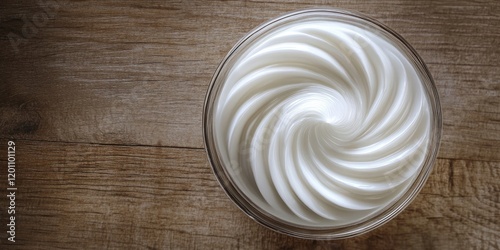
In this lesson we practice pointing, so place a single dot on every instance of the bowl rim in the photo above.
(372, 222)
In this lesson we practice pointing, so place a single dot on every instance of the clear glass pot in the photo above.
(229, 173)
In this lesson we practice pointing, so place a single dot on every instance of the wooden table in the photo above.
(103, 100)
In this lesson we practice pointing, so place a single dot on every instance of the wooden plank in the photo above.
(104, 196)
(135, 73)
(132, 76)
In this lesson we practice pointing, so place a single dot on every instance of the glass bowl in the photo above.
(231, 155)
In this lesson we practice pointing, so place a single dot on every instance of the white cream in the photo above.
(322, 123)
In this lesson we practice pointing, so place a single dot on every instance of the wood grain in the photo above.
(124, 72)
(104, 99)
(159, 197)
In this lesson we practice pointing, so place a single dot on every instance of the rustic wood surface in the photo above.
(104, 99)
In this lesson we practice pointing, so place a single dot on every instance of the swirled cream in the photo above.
(322, 123)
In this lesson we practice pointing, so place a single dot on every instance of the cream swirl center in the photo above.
(323, 123)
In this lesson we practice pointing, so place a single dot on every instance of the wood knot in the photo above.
(20, 119)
